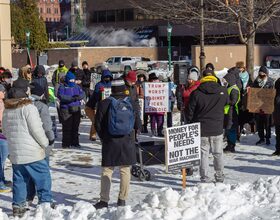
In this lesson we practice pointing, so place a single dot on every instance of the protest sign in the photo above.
(182, 147)
(261, 100)
(156, 97)
(141, 104)
(106, 93)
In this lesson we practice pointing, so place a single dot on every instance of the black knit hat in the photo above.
(37, 89)
(118, 86)
(84, 63)
(153, 76)
(17, 93)
(209, 66)
(263, 69)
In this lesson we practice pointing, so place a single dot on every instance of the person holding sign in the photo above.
(95, 98)
(206, 106)
(231, 109)
(264, 121)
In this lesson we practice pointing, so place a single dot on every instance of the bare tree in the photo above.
(244, 16)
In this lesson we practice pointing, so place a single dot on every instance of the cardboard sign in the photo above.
(182, 147)
(141, 104)
(156, 97)
(106, 93)
(261, 100)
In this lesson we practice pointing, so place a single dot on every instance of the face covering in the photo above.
(107, 79)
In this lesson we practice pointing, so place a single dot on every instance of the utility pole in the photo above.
(202, 34)
(169, 32)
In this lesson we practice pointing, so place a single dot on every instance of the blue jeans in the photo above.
(31, 189)
(39, 172)
(231, 135)
(3, 156)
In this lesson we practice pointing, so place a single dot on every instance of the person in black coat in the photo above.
(117, 151)
(39, 76)
(206, 106)
(264, 121)
(231, 109)
(86, 80)
(276, 117)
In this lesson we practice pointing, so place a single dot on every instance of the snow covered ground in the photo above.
(251, 189)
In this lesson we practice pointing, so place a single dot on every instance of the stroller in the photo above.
(148, 153)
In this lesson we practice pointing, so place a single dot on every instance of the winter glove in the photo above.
(51, 142)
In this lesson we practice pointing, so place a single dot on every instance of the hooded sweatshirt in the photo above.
(206, 106)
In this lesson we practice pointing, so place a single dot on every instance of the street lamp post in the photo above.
(202, 33)
(169, 32)
(28, 46)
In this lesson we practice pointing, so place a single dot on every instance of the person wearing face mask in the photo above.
(79, 73)
(70, 96)
(58, 75)
(6, 80)
(87, 79)
(95, 98)
(39, 76)
(231, 110)
(244, 115)
(264, 121)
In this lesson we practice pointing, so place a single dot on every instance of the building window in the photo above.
(129, 14)
(102, 16)
(47, 19)
(111, 16)
(48, 10)
(120, 15)
(56, 10)
(94, 17)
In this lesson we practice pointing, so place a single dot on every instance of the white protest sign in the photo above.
(141, 104)
(182, 147)
(156, 97)
(106, 93)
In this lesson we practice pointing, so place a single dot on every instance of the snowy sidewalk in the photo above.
(76, 177)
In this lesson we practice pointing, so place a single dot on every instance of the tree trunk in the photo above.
(250, 61)
(250, 45)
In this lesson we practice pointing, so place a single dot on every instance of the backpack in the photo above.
(121, 116)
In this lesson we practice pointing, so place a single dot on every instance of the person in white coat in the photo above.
(27, 141)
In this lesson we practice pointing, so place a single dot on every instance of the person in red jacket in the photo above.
(193, 83)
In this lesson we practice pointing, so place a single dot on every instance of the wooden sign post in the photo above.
(184, 177)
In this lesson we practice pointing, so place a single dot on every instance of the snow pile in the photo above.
(259, 200)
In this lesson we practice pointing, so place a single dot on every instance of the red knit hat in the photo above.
(131, 76)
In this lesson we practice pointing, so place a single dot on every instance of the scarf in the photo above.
(244, 76)
(209, 79)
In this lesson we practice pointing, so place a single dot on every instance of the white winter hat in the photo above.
(193, 76)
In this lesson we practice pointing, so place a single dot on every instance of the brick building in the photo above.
(49, 10)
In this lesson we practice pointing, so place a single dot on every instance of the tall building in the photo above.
(49, 10)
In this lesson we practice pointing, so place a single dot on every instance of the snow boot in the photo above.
(4, 188)
(219, 179)
(8, 183)
(260, 142)
(153, 133)
(101, 205)
(121, 202)
(229, 148)
(144, 130)
(92, 138)
(276, 153)
(19, 211)
(267, 142)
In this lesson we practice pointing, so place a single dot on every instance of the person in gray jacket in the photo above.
(27, 142)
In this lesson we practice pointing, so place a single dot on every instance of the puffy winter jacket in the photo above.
(70, 96)
(24, 131)
(45, 116)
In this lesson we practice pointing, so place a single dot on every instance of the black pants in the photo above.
(277, 131)
(70, 127)
(264, 123)
(169, 117)
(146, 118)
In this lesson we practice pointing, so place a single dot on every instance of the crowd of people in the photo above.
(28, 131)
